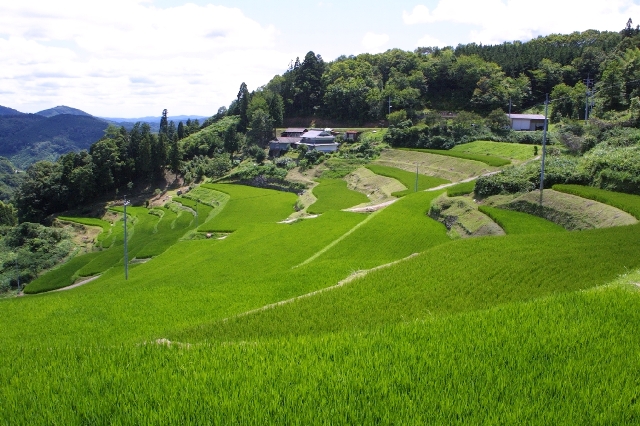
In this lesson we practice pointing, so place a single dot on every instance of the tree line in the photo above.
(471, 77)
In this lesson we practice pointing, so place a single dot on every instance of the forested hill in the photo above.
(62, 109)
(472, 77)
(9, 111)
(27, 138)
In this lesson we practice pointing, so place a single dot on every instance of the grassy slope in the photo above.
(512, 151)
(333, 194)
(408, 179)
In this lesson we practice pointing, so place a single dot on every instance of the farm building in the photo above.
(281, 144)
(320, 140)
(293, 132)
(526, 121)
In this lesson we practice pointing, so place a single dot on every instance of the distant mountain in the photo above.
(28, 138)
(9, 111)
(61, 109)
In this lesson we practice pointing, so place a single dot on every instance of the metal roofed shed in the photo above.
(526, 121)
(294, 132)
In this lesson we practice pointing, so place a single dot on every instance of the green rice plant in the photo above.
(333, 194)
(514, 222)
(626, 202)
(508, 150)
(460, 189)
(489, 160)
(460, 276)
(408, 179)
(249, 205)
(397, 231)
(540, 362)
(61, 276)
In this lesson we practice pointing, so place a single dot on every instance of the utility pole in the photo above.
(509, 107)
(544, 149)
(125, 203)
(589, 82)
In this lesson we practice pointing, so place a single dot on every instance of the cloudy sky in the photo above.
(132, 58)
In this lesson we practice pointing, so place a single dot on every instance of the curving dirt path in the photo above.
(78, 284)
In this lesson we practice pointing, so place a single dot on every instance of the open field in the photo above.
(412, 181)
(333, 194)
(512, 151)
(449, 168)
(490, 160)
(345, 318)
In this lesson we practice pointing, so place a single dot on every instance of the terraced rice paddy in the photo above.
(444, 167)
(412, 181)
(490, 160)
(535, 327)
(513, 151)
(333, 194)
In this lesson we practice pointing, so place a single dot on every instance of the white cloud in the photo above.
(429, 41)
(419, 15)
(127, 57)
(495, 21)
(374, 43)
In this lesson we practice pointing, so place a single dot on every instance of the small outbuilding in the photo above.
(526, 121)
(280, 145)
(294, 132)
(351, 135)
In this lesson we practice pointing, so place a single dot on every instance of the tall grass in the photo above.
(408, 179)
(333, 194)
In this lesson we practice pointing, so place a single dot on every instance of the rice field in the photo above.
(249, 205)
(345, 318)
(333, 194)
(412, 181)
(460, 189)
(514, 222)
(441, 166)
(490, 160)
(512, 151)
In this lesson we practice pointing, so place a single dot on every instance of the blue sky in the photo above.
(130, 58)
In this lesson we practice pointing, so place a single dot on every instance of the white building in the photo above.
(526, 121)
